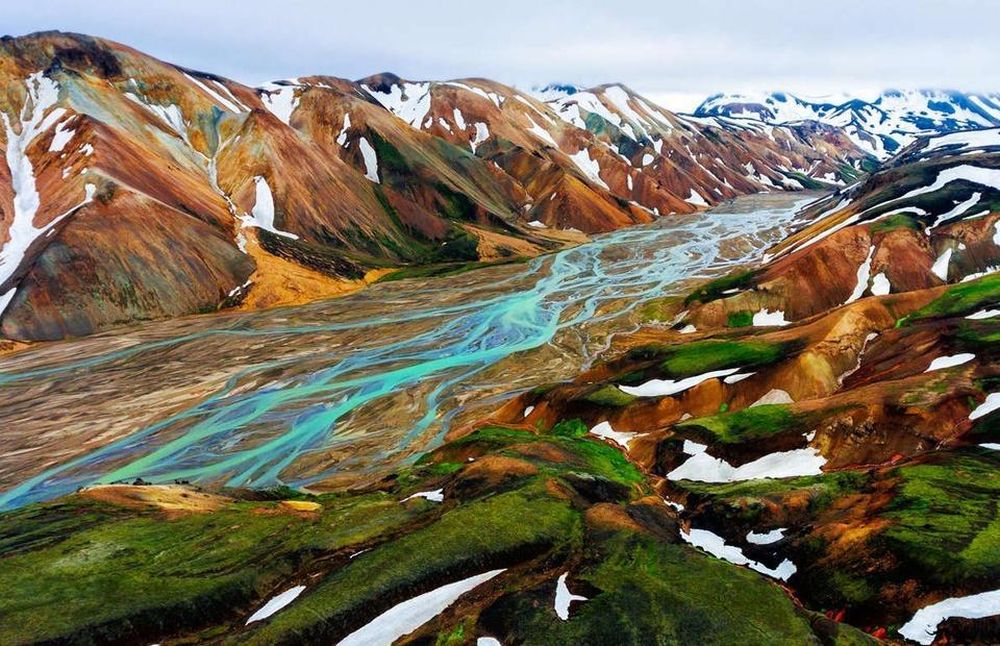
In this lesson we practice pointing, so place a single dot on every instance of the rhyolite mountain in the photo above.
(137, 189)
(881, 127)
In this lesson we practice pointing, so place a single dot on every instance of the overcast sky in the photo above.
(675, 52)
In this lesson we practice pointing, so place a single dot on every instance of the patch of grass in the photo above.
(569, 428)
(946, 516)
(482, 535)
(743, 318)
(748, 424)
(961, 298)
(609, 396)
(162, 574)
(647, 591)
(705, 356)
(893, 222)
(714, 289)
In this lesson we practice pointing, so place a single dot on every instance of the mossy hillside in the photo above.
(962, 298)
(748, 424)
(609, 396)
(494, 532)
(163, 573)
(714, 289)
(746, 501)
(585, 453)
(743, 318)
(946, 516)
(643, 591)
(685, 360)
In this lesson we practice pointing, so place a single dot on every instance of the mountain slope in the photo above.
(135, 189)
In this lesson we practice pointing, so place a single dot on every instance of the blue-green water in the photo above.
(354, 383)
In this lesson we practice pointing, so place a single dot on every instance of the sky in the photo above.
(674, 52)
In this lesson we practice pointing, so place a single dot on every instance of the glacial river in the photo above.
(338, 392)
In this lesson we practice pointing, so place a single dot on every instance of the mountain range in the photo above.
(880, 127)
(136, 189)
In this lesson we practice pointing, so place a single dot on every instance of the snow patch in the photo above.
(276, 603)
(702, 467)
(717, 547)
(404, 618)
(564, 597)
(951, 361)
(766, 538)
(922, 628)
(766, 317)
(371, 161)
(664, 387)
(436, 495)
(604, 430)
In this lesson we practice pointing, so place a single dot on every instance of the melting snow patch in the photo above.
(922, 628)
(950, 361)
(738, 377)
(983, 314)
(940, 267)
(276, 603)
(434, 496)
(488, 641)
(61, 137)
(589, 167)
(527, 411)
(482, 134)
(696, 199)
(880, 285)
(717, 547)
(564, 597)
(766, 317)
(541, 133)
(864, 272)
(991, 404)
(663, 387)
(280, 100)
(702, 467)
(766, 538)
(262, 214)
(371, 161)
(688, 329)
(537, 224)
(342, 137)
(604, 430)
(409, 101)
(774, 396)
(409, 615)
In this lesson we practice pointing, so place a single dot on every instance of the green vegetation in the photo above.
(466, 540)
(101, 572)
(706, 356)
(961, 298)
(748, 424)
(713, 290)
(743, 318)
(647, 591)
(946, 515)
(609, 396)
(570, 428)
(893, 222)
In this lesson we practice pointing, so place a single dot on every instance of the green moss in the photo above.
(160, 573)
(467, 540)
(609, 396)
(647, 591)
(893, 222)
(569, 428)
(658, 309)
(743, 318)
(747, 424)
(714, 289)
(705, 356)
(946, 517)
(961, 298)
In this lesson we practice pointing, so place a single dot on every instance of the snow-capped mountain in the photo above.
(881, 127)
